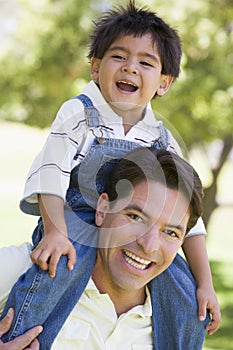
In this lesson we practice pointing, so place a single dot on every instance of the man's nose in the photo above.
(150, 240)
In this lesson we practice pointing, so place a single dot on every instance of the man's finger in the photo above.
(6, 322)
(35, 345)
(25, 339)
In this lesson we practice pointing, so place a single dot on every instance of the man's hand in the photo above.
(50, 249)
(207, 300)
(26, 341)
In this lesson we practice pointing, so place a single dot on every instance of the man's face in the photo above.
(141, 235)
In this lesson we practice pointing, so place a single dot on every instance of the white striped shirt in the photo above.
(70, 139)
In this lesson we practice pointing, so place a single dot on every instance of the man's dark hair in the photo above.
(130, 20)
(167, 168)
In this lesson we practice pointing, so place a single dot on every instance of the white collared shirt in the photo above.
(94, 325)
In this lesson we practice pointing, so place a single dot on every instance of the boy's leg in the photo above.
(39, 299)
(175, 322)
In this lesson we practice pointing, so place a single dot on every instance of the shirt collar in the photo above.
(106, 112)
(144, 310)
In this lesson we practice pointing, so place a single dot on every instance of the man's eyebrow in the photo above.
(144, 54)
(135, 207)
(177, 227)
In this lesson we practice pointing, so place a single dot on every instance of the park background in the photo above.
(43, 48)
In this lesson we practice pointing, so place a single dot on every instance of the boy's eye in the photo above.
(146, 64)
(118, 57)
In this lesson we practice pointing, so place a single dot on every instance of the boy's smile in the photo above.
(129, 75)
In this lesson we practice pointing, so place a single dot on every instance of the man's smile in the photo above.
(135, 260)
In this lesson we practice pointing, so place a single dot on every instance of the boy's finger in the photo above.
(40, 258)
(202, 311)
(53, 264)
(71, 259)
(212, 327)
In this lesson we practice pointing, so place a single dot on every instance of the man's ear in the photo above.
(102, 209)
(95, 63)
(165, 83)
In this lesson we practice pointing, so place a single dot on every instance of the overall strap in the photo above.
(162, 140)
(91, 113)
(93, 121)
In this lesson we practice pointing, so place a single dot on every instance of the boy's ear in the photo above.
(165, 83)
(95, 63)
(101, 209)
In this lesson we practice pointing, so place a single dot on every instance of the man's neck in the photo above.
(123, 299)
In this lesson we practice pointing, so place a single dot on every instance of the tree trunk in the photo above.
(210, 193)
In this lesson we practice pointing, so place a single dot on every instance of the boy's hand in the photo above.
(207, 300)
(49, 250)
(24, 341)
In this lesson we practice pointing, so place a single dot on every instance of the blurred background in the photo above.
(43, 49)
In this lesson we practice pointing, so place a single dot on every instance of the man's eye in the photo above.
(172, 233)
(135, 217)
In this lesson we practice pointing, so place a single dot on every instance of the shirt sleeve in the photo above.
(14, 261)
(51, 169)
(199, 228)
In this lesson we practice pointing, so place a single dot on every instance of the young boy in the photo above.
(134, 56)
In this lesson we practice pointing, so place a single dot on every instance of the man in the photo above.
(152, 200)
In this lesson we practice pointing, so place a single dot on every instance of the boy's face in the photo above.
(129, 74)
(141, 235)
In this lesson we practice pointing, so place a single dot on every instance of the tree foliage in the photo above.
(46, 60)
(200, 103)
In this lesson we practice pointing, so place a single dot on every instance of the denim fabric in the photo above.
(175, 322)
(39, 299)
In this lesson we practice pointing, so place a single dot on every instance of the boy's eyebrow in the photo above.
(146, 54)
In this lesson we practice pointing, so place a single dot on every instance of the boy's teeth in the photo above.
(124, 85)
(136, 261)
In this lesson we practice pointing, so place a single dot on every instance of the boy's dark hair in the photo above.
(130, 20)
(167, 168)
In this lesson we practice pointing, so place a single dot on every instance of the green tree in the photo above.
(46, 61)
(200, 105)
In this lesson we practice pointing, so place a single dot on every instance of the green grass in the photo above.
(20, 144)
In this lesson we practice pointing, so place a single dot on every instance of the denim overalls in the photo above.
(39, 299)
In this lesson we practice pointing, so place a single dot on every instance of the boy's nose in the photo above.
(150, 240)
(130, 68)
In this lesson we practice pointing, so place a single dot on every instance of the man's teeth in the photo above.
(136, 261)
